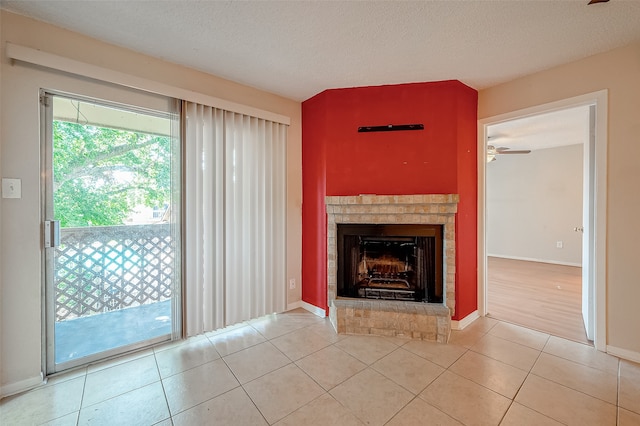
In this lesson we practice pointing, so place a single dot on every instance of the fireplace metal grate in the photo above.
(387, 294)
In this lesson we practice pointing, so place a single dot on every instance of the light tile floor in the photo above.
(293, 369)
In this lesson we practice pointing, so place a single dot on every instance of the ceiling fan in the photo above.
(492, 151)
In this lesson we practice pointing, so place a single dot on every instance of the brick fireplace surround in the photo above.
(426, 321)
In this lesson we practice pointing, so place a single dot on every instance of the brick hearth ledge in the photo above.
(426, 321)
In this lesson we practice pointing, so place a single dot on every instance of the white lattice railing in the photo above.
(105, 268)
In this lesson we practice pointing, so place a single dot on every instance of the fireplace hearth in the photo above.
(391, 264)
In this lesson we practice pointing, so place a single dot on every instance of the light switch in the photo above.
(11, 188)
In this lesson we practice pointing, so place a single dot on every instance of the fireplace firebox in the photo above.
(390, 262)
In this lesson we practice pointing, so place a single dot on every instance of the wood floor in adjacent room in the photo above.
(541, 296)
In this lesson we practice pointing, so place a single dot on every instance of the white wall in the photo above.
(533, 201)
(20, 263)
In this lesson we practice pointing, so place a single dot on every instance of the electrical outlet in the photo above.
(559, 244)
(292, 283)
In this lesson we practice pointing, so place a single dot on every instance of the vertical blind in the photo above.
(235, 217)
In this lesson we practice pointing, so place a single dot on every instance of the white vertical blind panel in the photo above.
(255, 191)
(192, 246)
(176, 218)
(261, 219)
(204, 215)
(235, 216)
(213, 219)
(279, 214)
(232, 207)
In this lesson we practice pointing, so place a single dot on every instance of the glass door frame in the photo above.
(48, 253)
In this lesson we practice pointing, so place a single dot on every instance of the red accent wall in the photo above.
(442, 159)
(314, 189)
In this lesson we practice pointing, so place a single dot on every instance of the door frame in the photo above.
(597, 237)
(48, 363)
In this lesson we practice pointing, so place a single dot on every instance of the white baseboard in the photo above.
(21, 386)
(624, 353)
(307, 307)
(531, 259)
(314, 309)
(464, 322)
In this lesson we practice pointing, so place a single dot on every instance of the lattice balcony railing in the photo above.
(100, 269)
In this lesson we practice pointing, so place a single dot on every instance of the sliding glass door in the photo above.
(110, 228)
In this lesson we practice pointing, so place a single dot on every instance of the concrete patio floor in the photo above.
(89, 335)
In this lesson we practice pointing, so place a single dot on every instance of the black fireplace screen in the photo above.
(396, 262)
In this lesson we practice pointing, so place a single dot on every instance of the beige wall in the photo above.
(20, 264)
(533, 201)
(619, 72)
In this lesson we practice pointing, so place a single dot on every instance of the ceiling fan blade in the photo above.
(597, 1)
(495, 136)
(517, 151)
(505, 150)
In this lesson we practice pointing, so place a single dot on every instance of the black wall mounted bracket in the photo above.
(390, 128)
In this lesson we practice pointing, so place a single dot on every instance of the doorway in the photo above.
(111, 240)
(534, 196)
(594, 199)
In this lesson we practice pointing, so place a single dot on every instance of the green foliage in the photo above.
(101, 174)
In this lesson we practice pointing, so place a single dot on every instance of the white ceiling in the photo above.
(542, 131)
(300, 48)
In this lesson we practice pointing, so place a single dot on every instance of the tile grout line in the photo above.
(417, 395)
(470, 349)
(515, 395)
(530, 373)
(84, 388)
(267, 340)
(616, 404)
(290, 363)
(240, 385)
(324, 391)
(164, 392)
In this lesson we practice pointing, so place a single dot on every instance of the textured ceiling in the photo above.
(300, 48)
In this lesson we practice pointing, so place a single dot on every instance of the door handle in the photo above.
(578, 229)
(51, 233)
